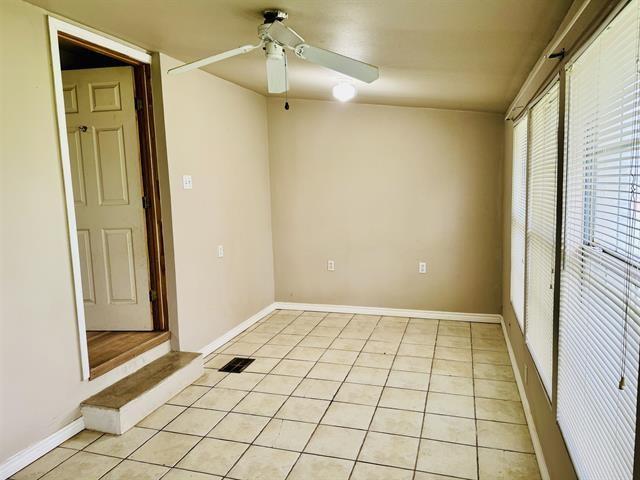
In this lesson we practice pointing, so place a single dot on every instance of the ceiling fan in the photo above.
(275, 37)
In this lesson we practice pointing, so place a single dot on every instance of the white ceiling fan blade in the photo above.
(283, 35)
(214, 58)
(346, 65)
(277, 73)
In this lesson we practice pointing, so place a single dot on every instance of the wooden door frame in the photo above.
(141, 63)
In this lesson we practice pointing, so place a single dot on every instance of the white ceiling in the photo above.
(459, 54)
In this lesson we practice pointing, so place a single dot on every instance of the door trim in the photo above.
(141, 61)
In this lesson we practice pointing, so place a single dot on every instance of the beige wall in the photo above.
(377, 189)
(217, 131)
(39, 358)
(555, 452)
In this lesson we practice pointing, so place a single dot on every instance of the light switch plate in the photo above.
(187, 182)
(331, 265)
(220, 251)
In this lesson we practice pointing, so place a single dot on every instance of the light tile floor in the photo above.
(330, 396)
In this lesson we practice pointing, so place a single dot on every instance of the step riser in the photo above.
(118, 421)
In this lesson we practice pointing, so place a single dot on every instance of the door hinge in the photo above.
(146, 203)
(153, 295)
(139, 104)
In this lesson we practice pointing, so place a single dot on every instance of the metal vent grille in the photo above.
(237, 365)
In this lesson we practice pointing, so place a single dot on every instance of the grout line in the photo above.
(426, 400)
(475, 413)
(272, 417)
(334, 395)
(287, 450)
(71, 456)
(315, 363)
(52, 468)
(381, 393)
(314, 423)
(277, 410)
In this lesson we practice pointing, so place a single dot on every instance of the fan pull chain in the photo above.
(286, 82)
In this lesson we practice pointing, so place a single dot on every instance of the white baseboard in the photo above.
(218, 342)
(537, 446)
(319, 307)
(28, 455)
(392, 312)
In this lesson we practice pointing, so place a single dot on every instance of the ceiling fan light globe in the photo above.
(276, 69)
(344, 91)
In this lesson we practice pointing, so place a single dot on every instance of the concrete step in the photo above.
(122, 405)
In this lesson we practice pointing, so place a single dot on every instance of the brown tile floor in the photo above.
(329, 397)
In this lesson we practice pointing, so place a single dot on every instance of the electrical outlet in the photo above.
(187, 182)
(220, 251)
(422, 267)
(331, 265)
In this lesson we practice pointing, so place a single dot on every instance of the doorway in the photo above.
(116, 201)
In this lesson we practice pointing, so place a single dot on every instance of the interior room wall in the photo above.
(39, 358)
(554, 449)
(216, 132)
(378, 189)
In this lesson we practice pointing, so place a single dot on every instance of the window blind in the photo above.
(518, 217)
(600, 295)
(541, 231)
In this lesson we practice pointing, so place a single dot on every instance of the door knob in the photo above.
(82, 128)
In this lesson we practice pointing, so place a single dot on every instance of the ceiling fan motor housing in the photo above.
(272, 15)
(273, 50)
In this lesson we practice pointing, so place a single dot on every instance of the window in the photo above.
(518, 217)
(599, 337)
(541, 231)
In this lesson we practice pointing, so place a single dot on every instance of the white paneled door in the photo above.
(107, 188)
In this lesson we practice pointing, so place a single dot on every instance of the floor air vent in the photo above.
(237, 365)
